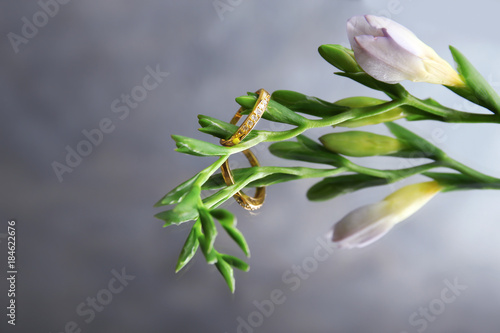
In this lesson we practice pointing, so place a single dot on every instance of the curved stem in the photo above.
(207, 172)
(226, 193)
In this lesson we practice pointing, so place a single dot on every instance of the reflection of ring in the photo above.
(249, 123)
(244, 200)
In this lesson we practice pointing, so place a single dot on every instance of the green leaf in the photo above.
(172, 217)
(236, 262)
(392, 90)
(188, 250)
(247, 101)
(227, 272)
(208, 228)
(210, 254)
(216, 127)
(280, 113)
(428, 149)
(225, 217)
(177, 194)
(454, 181)
(186, 210)
(196, 147)
(310, 143)
(274, 178)
(478, 90)
(237, 236)
(306, 104)
(228, 222)
(296, 151)
(274, 112)
(331, 187)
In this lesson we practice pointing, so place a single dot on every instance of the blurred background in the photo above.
(79, 228)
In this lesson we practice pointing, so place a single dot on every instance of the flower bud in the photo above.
(367, 224)
(361, 144)
(360, 102)
(391, 53)
(340, 57)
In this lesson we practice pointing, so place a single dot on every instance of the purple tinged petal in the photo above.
(368, 223)
(391, 53)
(362, 226)
(385, 60)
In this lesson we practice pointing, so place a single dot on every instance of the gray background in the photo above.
(72, 234)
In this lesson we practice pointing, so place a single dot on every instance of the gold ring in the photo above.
(247, 202)
(249, 123)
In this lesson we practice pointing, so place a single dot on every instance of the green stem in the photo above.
(451, 115)
(462, 168)
(358, 113)
(226, 193)
(392, 175)
(207, 172)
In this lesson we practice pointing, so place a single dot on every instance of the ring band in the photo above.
(247, 202)
(252, 119)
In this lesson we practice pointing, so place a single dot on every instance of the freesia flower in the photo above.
(367, 224)
(391, 53)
